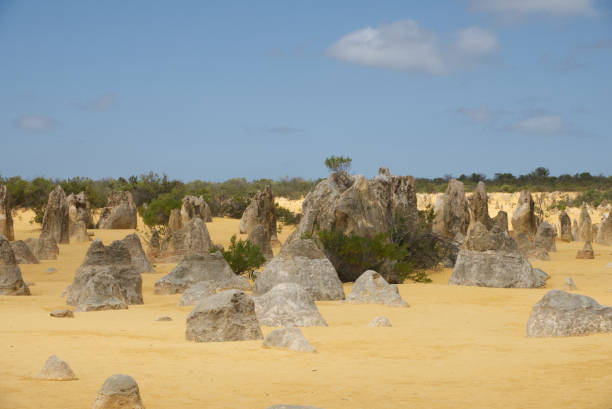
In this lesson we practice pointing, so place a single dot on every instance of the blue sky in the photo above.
(220, 89)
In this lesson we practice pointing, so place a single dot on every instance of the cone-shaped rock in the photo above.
(545, 237)
(561, 314)
(288, 304)
(139, 259)
(303, 263)
(23, 254)
(79, 217)
(586, 252)
(11, 281)
(452, 211)
(261, 211)
(566, 227)
(195, 293)
(491, 258)
(371, 288)
(6, 219)
(479, 204)
(191, 239)
(585, 232)
(55, 221)
(288, 338)
(604, 234)
(523, 217)
(260, 238)
(225, 316)
(56, 370)
(195, 207)
(118, 392)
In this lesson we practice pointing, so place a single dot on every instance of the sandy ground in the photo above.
(455, 347)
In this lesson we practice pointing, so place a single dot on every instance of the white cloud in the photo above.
(542, 125)
(509, 8)
(405, 46)
(476, 41)
(35, 123)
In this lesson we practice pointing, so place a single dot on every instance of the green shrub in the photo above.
(243, 256)
(286, 216)
(157, 213)
(338, 163)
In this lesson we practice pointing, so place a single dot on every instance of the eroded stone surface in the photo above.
(288, 338)
(287, 304)
(118, 392)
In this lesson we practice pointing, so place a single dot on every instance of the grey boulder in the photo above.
(288, 304)
(118, 392)
(11, 281)
(195, 293)
(288, 338)
(372, 288)
(380, 322)
(56, 370)
(139, 259)
(23, 254)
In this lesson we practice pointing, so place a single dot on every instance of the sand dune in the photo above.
(455, 347)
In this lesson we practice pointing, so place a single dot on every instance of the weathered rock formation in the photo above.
(585, 224)
(380, 322)
(545, 237)
(195, 207)
(139, 259)
(529, 249)
(225, 316)
(55, 221)
(44, 247)
(22, 252)
(594, 230)
(561, 314)
(262, 211)
(604, 234)
(62, 313)
(371, 288)
(190, 240)
(259, 236)
(353, 204)
(565, 224)
(452, 211)
(79, 217)
(491, 258)
(586, 252)
(569, 284)
(195, 293)
(106, 280)
(288, 338)
(192, 269)
(287, 305)
(303, 263)
(118, 392)
(523, 217)
(11, 281)
(119, 213)
(575, 234)
(501, 220)
(6, 219)
(56, 370)
(174, 222)
(479, 205)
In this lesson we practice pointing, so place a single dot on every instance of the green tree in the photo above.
(338, 163)
(242, 255)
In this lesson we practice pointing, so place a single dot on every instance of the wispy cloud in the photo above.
(542, 125)
(282, 130)
(405, 46)
(98, 104)
(36, 123)
(520, 8)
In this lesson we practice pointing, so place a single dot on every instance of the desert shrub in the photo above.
(157, 212)
(286, 216)
(243, 256)
(338, 163)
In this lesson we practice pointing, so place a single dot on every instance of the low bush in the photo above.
(243, 256)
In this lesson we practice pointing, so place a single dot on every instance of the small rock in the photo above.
(372, 288)
(118, 391)
(51, 270)
(196, 292)
(288, 338)
(62, 313)
(586, 252)
(380, 322)
(163, 318)
(569, 284)
(56, 370)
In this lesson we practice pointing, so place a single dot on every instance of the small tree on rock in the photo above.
(338, 163)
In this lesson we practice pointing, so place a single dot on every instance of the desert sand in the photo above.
(454, 347)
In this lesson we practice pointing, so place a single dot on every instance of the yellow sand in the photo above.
(455, 347)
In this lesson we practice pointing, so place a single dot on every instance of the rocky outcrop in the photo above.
(545, 237)
(501, 220)
(56, 370)
(569, 284)
(119, 213)
(190, 240)
(55, 220)
(225, 316)
(303, 263)
(586, 252)
(6, 219)
(529, 249)
(174, 222)
(106, 279)
(371, 288)
(139, 259)
(287, 305)
(259, 237)
(192, 269)
(44, 247)
(491, 258)
(585, 232)
(261, 211)
(118, 391)
(479, 205)
(23, 254)
(353, 204)
(380, 322)
(523, 217)
(79, 217)
(195, 207)
(561, 314)
(565, 224)
(11, 281)
(575, 234)
(604, 234)
(195, 293)
(452, 211)
(288, 338)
